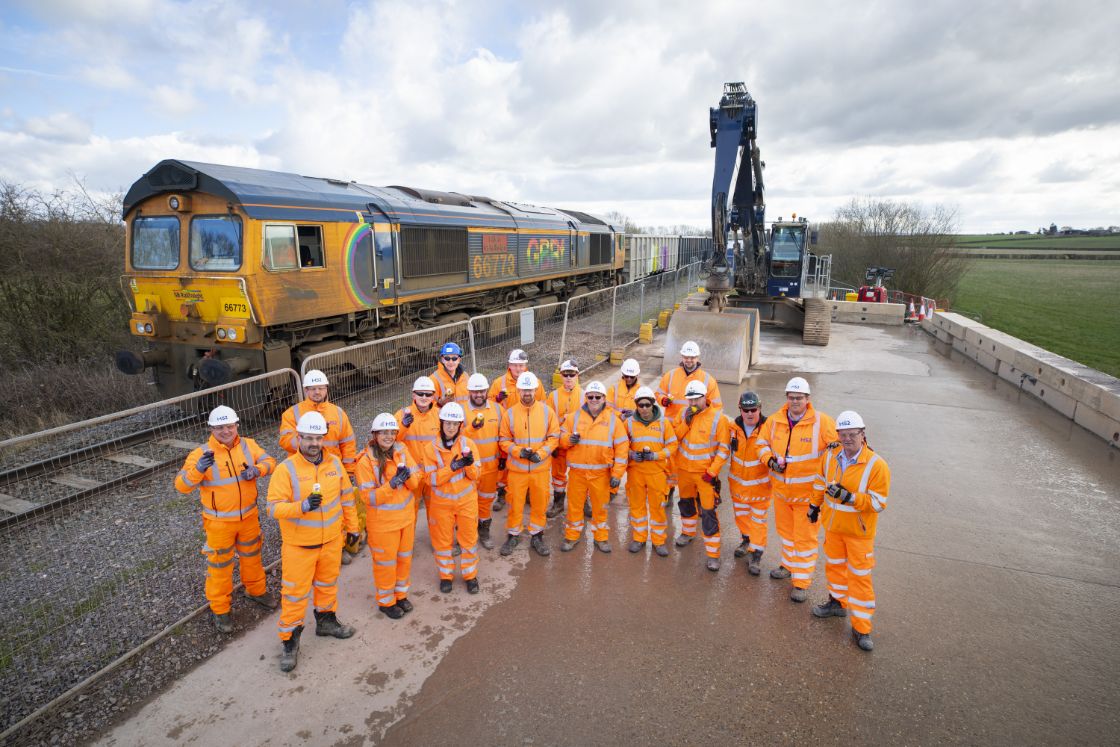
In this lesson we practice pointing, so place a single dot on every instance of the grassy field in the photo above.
(1034, 242)
(1069, 307)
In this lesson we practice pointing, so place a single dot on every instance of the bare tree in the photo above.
(918, 242)
(624, 221)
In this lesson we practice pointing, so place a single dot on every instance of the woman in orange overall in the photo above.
(451, 471)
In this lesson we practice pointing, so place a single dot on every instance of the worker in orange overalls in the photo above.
(339, 442)
(387, 476)
(703, 435)
(854, 482)
(484, 420)
(529, 434)
(419, 426)
(653, 442)
(225, 471)
(567, 399)
(503, 391)
(620, 397)
(451, 472)
(311, 496)
(748, 479)
(595, 437)
(449, 377)
(791, 444)
(670, 392)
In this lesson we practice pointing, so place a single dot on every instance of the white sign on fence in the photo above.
(528, 333)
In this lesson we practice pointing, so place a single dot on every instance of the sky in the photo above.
(1007, 113)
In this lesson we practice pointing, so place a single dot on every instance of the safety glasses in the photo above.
(643, 404)
(594, 397)
(423, 394)
(748, 409)
(568, 374)
(450, 358)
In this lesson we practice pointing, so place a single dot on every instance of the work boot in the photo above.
(636, 546)
(537, 543)
(713, 564)
(326, 623)
(224, 623)
(472, 585)
(393, 611)
(743, 548)
(567, 545)
(863, 640)
(831, 608)
(499, 502)
(779, 573)
(603, 546)
(268, 600)
(661, 550)
(557, 506)
(290, 655)
(484, 534)
(798, 595)
(405, 605)
(509, 545)
(445, 585)
(346, 559)
(587, 508)
(683, 539)
(753, 566)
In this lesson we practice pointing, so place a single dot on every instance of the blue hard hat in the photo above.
(451, 348)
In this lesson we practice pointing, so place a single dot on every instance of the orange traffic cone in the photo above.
(922, 311)
(910, 315)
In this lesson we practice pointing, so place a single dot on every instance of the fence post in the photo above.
(642, 303)
(564, 332)
(470, 338)
(614, 307)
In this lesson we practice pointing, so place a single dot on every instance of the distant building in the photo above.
(1053, 228)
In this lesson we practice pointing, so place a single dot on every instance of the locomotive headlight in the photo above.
(173, 203)
(221, 333)
(148, 328)
(232, 335)
(139, 328)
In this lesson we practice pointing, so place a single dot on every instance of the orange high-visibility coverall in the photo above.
(621, 397)
(450, 389)
(802, 445)
(647, 482)
(339, 441)
(311, 550)
(672, 386)
(534, 428)
(507, 383)
(453, 505)
(482, 426)
(424, 430)
(390, 520)
(703, 450)
(748, 479)
(849, 529)
(599, 456)
(563, 403)
(229, 515)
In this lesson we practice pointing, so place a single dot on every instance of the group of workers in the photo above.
(465, 446)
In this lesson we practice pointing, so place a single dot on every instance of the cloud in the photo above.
(62, 127)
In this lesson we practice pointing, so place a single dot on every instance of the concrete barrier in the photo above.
(856, 312)
(1089, 397)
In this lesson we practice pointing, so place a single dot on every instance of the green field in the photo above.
(1069, 307)
(1033, 242)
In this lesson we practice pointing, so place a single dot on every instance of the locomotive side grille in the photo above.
(433, 251)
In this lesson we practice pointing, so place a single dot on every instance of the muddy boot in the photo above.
(510, 544)
(445, 586)
(743, 548)
(661, 550)
(326, 623)
(224, 623)
(393, 611)
(779, 573)
(346, 559)
(587, 508)
(405, 605)
(537, 543)
(484, 534)
(290, 656)
(268, 600)
(863, 640)
(636, 546)
(567, 545)
(500, 501)
(603, 546)
(557, 506)
(713, 564)
(798, 595)
(683, 539)
(754, 563)
(831, 608)
(472, 585)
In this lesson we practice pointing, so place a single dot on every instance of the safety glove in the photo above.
(626, 413)
(502, 462)
(526, 453)
(500, 397)
(574, 439)
(648, 455)
(250, 473)
(313, 501)
(665, 401)
(407, 419)
(636, 456)
(707, 478)
(206, 461)
(615, 482)
(403, 473)
(773, 464)
(814, 513)
(478, 421)
(457, 464)
(535, 458)
(839, 493)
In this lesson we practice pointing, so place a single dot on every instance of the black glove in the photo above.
(535, 458)
(717, 486)
(500, 397)
(462, 461)
(407, 419)
(688, 415)
(398, 479)
(841, 494)
(501, 463)
(648, 455)
(313, 502)
(814, 513)
(478, 422)
(665, 401)
(734, 443)
(627, 413)
(250, 473)
(574, 439)
(468, 458)
(525, 453)
(615, 482)
(833, 445)
(352, 538)
(206, 461)
(772, 463)
(637, 456)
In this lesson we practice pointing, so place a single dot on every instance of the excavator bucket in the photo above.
(728, 340)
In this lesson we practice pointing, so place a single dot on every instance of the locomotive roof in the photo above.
(281, 195)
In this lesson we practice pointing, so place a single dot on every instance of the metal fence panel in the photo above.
(587, 328)
(98, 552)
(537, 330)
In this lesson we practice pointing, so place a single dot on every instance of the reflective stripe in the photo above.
(862, 602)
(255, 541)
(212, 564)
(247, 512)
(759, 481)
(836, 505)
(577, 465)
(252, 554)
(291, 598)
(857, 571)
(745, 462)
(187, 480)
(878, 503)
(859, 613)
(325, 584)
(218, 481)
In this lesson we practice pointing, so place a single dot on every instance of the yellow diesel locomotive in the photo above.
(233, 271)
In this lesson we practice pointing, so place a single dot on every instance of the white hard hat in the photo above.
(527, 380)
(384, 422)
(222, 415)
(696, 389)
(452, 412)
(570, 365)
(477, 383)
(848, 420)
(517, 355)
(630, 367)
(423, 384)
(595, 387)
(690, 349)
(312, 423)
(315, 377)
(644, 392)
(798, 385)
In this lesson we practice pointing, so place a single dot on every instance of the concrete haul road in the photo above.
(998, 606)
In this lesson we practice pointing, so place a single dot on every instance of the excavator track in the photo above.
(818, 322)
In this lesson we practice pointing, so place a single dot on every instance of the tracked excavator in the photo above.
(754, 276)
